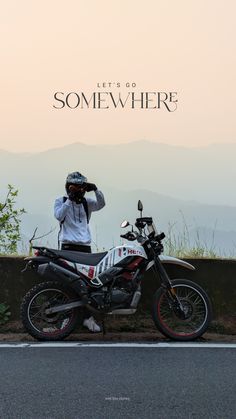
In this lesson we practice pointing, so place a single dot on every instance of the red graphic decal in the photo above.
(91, 272)
(135, 263)
(127, 275)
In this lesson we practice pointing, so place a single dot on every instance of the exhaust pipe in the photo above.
(52, 268)
(74, 280)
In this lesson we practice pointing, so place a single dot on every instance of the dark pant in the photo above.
(78, 248)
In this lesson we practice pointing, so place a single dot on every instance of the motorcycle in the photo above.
(110, 283)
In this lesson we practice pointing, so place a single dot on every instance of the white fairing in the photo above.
(114, 256)
(174, 261)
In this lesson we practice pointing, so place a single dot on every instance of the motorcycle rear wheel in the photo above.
(197, 307)
(52, 327)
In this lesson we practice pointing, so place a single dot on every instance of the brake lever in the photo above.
(129, 236)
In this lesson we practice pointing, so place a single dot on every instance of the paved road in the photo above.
(117, 382)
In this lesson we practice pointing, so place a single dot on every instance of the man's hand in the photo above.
(71, 196)
(91, 187)
(72, 193)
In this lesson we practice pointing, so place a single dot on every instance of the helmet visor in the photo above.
(77, 187)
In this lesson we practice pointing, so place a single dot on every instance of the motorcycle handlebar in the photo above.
(160, 237)
(129, 236)
(134, 235)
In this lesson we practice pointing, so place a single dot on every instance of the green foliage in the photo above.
(4, 313)
(10, 222)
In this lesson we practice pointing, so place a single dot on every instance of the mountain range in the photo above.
(179, 187)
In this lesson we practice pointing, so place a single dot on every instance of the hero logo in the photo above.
(134, 252)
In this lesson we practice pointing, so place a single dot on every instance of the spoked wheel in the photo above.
(196, 307)
(45, 326)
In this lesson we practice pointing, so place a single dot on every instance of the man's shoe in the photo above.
(91, 325)
(49, 329)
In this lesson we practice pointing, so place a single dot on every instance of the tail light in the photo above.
(64, 262)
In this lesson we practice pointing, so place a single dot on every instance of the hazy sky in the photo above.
(162, 45)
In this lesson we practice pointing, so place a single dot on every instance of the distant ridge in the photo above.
(204, 174)
(173, 182)
(122, 144)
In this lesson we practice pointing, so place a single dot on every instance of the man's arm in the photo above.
(61, 208)
(98, 203)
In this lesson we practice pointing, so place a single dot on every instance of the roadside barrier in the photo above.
(216, 276)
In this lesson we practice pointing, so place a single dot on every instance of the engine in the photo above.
(106, 297)
(119, 296)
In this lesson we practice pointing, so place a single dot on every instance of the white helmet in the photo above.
(75, 178)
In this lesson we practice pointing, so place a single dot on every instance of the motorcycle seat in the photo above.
(91, 259)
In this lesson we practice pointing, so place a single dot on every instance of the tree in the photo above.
(36, 238)
(10, 219)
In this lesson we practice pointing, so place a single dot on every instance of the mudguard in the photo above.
(175, 261)
(37, 259)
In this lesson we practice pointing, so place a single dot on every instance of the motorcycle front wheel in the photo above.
(197, 311)
(49, 327)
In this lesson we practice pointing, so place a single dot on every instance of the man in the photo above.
(73, 212)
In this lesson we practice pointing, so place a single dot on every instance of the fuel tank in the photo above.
(119, 257)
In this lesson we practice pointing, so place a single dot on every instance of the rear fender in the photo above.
(37, 259)
(33, 262)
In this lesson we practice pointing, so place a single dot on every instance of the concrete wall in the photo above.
(216, 276)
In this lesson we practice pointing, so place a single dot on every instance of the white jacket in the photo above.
(75, 228)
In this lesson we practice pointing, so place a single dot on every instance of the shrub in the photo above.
(4, 313)
(10, 222)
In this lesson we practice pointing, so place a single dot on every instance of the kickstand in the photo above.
(103, 326)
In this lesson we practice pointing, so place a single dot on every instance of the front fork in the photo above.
(170, 292)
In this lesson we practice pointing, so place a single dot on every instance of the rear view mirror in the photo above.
(124, 224)
(140, 205)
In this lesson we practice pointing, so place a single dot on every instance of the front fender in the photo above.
(175, 261)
